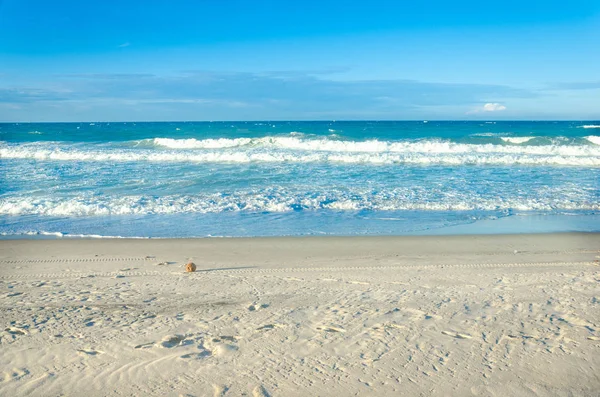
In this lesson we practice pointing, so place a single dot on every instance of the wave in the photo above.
(328, 151)
(282, 201)
(370, 146)
(590, 126)
(594, 139)
(192, 143)
(517, 140)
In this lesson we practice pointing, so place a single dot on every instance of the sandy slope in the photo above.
(456, 316)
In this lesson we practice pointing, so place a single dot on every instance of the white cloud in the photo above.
(127, 44)
(488, 107)
(493, 107)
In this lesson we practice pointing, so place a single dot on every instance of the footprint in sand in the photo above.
(171, 341)
(198, 356)
(144, 345)
(224, 348)
(387, 326)
(226, 338)
(260, 391)
(574, 321)
(89, 352)
(16, 331)
(220, 390)
(331, 329)
(222, 345)
(15, 374)
(268, 327)
(456, 335)
(175, 340)
(255, 306)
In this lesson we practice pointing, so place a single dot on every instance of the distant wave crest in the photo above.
(293, 149)
(192, 143)
(341, 146)
(517, 140)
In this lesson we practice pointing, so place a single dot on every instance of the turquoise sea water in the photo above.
(197, 179)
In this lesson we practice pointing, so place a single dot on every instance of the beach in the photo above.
(470, 315)
(299, 199)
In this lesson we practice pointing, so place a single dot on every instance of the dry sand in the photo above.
(515, 315)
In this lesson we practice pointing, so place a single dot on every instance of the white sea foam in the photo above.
(573, 156)
(594, 139)
(293, 149)
(201, 144)
(375, 146)
(65, 235)
(517, 140)
(34, 233)
(590, 126)
(282, 201)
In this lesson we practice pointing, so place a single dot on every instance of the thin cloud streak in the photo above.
(210, 95)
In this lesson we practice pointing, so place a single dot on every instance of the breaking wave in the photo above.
(283, 201)
(371, 146)
(594, 139)
(517, 140)
(292, 149)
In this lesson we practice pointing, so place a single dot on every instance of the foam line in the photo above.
(282, 201)
(424, 153)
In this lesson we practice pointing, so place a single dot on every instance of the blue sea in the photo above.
(200, 179)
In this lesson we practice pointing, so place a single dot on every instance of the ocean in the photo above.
(297, 178)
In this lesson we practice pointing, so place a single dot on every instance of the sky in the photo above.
(149, 60)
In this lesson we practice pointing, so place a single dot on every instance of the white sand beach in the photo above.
(503, 315)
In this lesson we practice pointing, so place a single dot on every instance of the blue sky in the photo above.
(246, 60)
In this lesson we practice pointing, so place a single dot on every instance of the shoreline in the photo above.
(264, 228)
(498, 239)
(49, 236)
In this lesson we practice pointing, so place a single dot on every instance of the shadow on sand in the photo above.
(219, 269)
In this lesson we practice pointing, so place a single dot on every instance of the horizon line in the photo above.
(297, 120)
